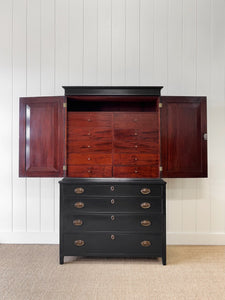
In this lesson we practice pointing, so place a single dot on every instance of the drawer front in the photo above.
(151, 171)
(136, 147)
(82, 205)
(89, 171)
(136, 120)
(86, 119)
(135, 159)
(144, 190)
(89, 133)
(111, 242)
(103, 145)
(89, 159)
(113, 222)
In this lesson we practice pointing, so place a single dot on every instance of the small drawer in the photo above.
(116, 222)
(126, 146)
(89, 159)
(136, 159)
(89, 171)
(113, 189)
(90, 146)
(151, 171)
(88, 133)
(142, 120)
(89, 119)
(112, 242)
(83, 205)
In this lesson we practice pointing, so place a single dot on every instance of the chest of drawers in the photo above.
(112, 217)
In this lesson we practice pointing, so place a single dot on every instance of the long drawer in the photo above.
(111, 243)
(116, 222)
(144, 190)
(80, 205)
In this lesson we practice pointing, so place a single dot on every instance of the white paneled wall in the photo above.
(45, 44)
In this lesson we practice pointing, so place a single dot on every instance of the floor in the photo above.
(33, 272)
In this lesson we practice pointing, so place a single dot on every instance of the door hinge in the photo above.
(160, 168)
(205, 136)
(160, 105)
(64, 104)
(64, 168)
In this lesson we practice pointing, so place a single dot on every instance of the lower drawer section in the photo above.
(84, 244)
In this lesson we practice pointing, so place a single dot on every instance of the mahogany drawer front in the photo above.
(151, 171)
(81, 205)
(116, 222)
(145, 189)
(112, 242)
(136, 120)
(125, 146)
(135, 159)
(89, 159)
(142, 135)
(86, 171)
(88, 133)
(102, 145)
(89, 119)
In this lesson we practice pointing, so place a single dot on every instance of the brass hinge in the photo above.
(64, 168)
(160, 105)
(160, 168)
(64, 104)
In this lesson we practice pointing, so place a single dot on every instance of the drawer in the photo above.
(88, 133)
(137, 159)
(142, 189)
(143, 135)
(82, 205)
(81, 244)
(103, 145)
(89, 119)
(89, 171)
(151, 171)
(113, 222)
(136, 147)
(136, 120)
(89, 159)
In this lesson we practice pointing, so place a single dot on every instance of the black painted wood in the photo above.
(109, 222)
(113, 90)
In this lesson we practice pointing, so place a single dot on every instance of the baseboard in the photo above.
(173, 238)
(182, 238)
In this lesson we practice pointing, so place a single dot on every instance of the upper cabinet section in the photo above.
(183, 137)
(42, 146)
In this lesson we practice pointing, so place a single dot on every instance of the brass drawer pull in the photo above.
(112, 218)
(145, 205)
(112, 237)
(89, 120)
(112, 201)
(79, 243)
(145, 243)
(79, 204)
(145, 191)
(146, 223)
(136, 171)
(77, 222)
(79, 190)
(112, 188)
(89, 171)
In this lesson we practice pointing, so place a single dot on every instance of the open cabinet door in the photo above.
(183, 137)
(42, 137)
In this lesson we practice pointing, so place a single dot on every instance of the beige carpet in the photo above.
(32, 272)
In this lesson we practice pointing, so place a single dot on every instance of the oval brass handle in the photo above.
(145, 205)
(112, 201)
(112, 188)
(145, 191)
(79, 243)
(112, 237)
(89, 120)
(112, 218)
(77, 222)
(145, 243)
(136, 171)
(79, 204)
(79, 190)
(146, 223)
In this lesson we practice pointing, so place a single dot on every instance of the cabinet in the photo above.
(112, 145)
(112, 217)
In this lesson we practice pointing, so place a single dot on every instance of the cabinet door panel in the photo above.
(183, 147)
(42, 145)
